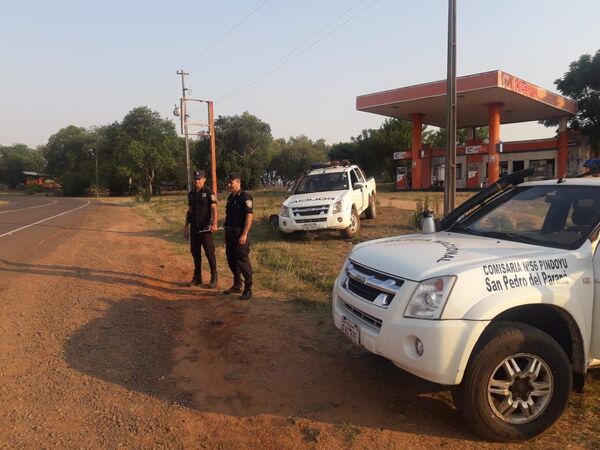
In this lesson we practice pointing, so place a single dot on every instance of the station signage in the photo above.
(400, 155)
(472, 149)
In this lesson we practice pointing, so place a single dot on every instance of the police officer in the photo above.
(238, 221)
(200, 222)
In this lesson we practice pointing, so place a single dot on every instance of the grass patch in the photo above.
(349, 431)
(301, 267)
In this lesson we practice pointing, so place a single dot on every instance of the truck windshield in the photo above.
(560, 216)
(335, 181)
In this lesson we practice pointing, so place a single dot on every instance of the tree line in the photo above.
(144, 153)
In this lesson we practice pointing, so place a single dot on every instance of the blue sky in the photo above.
(88, 63)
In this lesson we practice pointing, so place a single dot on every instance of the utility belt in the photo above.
(233, 231)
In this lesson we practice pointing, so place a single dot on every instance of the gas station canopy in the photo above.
(520, 101)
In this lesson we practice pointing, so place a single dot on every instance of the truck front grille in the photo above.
(373, 321)
(362, 290)
(310, 211)
(371, 285)
(318, 219)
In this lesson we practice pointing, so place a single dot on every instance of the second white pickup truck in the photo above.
(330, 196)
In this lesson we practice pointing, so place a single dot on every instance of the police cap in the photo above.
(199, 174)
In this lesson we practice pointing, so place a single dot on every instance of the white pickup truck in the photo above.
(330, 196)
(501, 303)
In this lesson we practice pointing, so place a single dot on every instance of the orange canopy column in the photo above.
(563, 148)
(494, 139)
(417, 132)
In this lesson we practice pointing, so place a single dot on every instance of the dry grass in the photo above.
(300, 267)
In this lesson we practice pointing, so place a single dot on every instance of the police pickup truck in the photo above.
(500, 301)
(332, 195)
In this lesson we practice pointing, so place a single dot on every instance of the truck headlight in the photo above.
(429, 298)
(285, 211)
(337, 207)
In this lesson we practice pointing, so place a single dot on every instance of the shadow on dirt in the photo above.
(218, 355)
(102, 276)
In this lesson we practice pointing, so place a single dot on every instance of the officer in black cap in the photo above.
(201, 217)
(238, 220)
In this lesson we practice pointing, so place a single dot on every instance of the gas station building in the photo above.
(484, 99)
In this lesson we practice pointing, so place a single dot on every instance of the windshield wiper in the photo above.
(465, 230)
(511, 237)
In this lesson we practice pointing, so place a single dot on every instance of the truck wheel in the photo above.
(371, 212)
(516, 385)
(354, 227)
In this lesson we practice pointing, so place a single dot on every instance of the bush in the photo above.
(34, 189)
(75, 183)
(422, 206)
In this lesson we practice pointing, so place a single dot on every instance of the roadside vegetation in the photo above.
(301, 266)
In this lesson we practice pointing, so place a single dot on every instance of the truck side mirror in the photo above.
(358, 185)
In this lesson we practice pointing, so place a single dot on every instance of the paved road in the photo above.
(26, 221)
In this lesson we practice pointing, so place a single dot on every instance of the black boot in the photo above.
(247, 294)
(235, 289)
(213, 280)
(196, 281)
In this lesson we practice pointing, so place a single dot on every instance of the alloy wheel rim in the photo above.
(520, 388)
(352, 223)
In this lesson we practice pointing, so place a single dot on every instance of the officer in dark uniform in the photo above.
(238, 221)
(201, 217)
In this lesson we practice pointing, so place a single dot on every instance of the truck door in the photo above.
(357, 194)
(365, 190)
(595, 344)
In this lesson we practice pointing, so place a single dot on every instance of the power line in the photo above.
(298, 50)
(223, 36)
(211, 45)
(249, 82)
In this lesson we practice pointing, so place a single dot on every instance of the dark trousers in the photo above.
(198, 240)
(237, 256)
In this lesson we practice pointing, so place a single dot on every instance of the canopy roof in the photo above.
(522, 101)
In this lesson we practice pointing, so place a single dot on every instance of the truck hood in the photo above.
(314, 199)
(420, 256)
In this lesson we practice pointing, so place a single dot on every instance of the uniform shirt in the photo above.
(238, 206)
(200, 202)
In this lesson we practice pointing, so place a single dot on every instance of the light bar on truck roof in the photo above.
(326, 164)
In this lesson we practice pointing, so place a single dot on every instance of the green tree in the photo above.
(14, 160)
(437, 138)
(582, 83)
(343, 150)
(243, 144)
(68, 158)
(147, 148)
(375, 148)
(296, 156)
(111, 175)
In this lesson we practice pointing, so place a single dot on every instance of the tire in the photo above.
(541, 362)
(354, 227)
(371, 212)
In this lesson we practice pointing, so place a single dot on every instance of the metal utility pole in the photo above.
(97, 185)
(213, 156)
(94, 152)
(183, 115)
(184, 129)
(450, 169)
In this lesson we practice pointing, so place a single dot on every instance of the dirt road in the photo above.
(102, 346)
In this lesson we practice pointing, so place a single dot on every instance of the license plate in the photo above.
(310, 226)
(351, 330)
